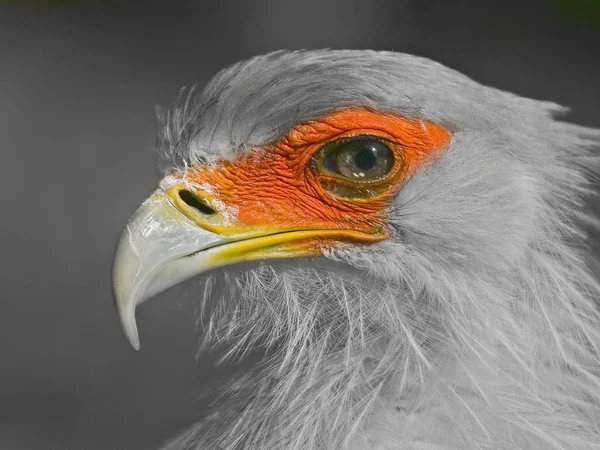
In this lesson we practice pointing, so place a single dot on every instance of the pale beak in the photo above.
(167, 242)
(182, 231)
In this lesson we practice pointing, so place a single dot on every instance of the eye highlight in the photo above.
(359, 158)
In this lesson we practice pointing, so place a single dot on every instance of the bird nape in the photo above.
(416, 259)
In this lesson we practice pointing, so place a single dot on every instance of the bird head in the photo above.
(342, 198)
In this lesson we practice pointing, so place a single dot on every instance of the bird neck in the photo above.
(486, 365)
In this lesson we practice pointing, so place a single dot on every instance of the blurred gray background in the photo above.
(78, 86)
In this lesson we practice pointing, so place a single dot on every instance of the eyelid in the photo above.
(362, 136)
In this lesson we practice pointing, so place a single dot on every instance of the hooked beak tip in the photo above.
(126, 264)
(127, 315)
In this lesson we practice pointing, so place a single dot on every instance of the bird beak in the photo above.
(168, 241)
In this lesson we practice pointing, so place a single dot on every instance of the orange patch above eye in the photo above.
(277, 186)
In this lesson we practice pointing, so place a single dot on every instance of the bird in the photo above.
(408, 251)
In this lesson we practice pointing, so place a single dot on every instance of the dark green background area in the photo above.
(78, 86)
(584, 11)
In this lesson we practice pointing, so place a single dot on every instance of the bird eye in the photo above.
(361, 158)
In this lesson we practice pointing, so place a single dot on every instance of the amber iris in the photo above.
(359, 158)
(352, 164)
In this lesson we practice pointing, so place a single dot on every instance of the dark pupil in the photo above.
(365, 158)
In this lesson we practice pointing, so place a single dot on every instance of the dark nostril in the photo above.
(194, 202)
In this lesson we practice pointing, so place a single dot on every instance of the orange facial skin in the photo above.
(279, 187)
